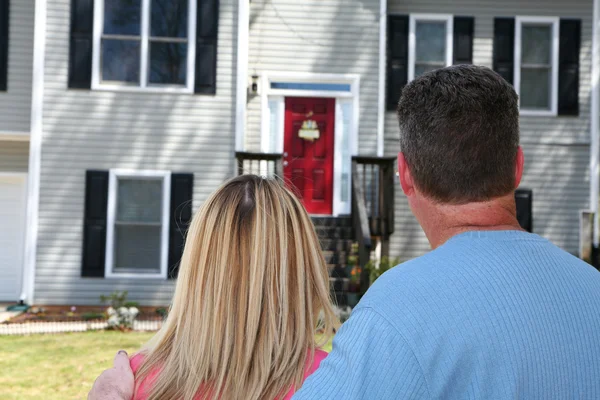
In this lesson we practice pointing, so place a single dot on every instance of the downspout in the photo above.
(382, 68)
(594, 133)
(243, 33)
(35, 154)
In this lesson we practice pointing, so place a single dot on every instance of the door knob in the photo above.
(285, 163)
(285, 154)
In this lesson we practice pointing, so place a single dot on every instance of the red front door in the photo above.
(308, 162)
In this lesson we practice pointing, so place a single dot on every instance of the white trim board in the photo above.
(144, 85)
(350, 97)
(554, 24)
(114, 174)
(241, 95)
(595, 123)
(382, 76)
(35, 154)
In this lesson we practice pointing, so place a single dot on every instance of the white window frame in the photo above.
(114, 174)
(554, 23)
(412, 38)
(144, 85)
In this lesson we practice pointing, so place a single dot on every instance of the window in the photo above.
(430, 43)
(144, 44)
(138, 224)
(536, 64)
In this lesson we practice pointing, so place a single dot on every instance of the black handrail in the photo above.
(250, 163)
(360, 218)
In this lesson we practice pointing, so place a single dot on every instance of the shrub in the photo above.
(385, 264)
(91, 316)
(121, 313)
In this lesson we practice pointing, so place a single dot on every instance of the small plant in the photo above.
(375, 271)
(121, 313)
(93, 316)
(355, 269)
(163, 312)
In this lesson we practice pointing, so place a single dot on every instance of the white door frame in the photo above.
(350, 97)
(20, 177)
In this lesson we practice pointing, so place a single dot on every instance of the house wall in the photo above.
(15, 103)
(318, 36)
(85, 129)
(14, 156)
(556, 148)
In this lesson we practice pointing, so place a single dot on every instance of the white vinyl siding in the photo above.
(103, 130)
(15, 103)
(556, 149)
(322, 37)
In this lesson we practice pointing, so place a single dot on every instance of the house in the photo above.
(117, 119)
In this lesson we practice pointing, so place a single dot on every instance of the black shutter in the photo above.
(182, 187)
(568, 67)
(207, 24)
(4, 19)
(397, 59)
(81, 42)
(463, 40)
(94, 224)
(504, 47)
(524, 201)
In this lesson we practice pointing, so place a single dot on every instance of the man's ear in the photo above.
(519, 165)
(406, 180)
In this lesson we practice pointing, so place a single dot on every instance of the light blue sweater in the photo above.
(488, 315)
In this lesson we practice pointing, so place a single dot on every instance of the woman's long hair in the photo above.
(252, 292)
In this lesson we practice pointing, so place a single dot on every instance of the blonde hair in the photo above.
(252, 292)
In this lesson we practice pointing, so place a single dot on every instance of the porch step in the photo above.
(336, 237)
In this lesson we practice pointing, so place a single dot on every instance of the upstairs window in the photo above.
(145, 44)
(536, 64)
(430, 43)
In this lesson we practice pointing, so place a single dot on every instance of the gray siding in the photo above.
(556, 148)
(15, 103)
(319, 36)
(14, 156)
(102, 130)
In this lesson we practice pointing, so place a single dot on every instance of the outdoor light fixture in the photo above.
(254, 85)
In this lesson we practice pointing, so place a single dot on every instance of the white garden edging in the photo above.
(28, 328)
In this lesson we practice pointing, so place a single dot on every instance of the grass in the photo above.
(62, 366)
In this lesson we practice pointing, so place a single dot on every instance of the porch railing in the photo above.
(372, 206)
(266, 164)
(376, 175)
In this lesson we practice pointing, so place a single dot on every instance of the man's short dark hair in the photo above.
(459, 132)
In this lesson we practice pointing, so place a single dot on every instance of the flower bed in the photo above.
(58, 319)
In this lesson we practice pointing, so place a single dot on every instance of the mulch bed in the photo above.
(79, 313)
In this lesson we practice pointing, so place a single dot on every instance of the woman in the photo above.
(252, 292)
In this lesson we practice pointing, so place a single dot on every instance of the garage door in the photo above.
(12, 235)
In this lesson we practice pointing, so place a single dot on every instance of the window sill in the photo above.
(133, 89)
(537, 113)
(110, 275)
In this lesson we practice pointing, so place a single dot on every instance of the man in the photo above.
(492, 312)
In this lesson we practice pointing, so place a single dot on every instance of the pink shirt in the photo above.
(140, 394)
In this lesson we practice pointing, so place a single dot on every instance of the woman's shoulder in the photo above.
(136, 361)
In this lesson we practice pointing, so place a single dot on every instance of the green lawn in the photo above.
(61, 366)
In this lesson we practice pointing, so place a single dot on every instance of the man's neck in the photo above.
(441, 222)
